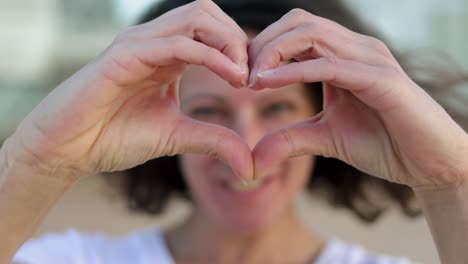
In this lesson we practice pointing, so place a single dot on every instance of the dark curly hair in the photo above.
(149, 186)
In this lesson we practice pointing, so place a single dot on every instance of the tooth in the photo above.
(243, 185)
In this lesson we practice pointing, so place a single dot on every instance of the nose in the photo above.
(248, 127)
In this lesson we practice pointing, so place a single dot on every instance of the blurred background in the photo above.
(42, 42)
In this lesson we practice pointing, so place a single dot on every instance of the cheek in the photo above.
(199, 170)
(299, 170)
(194, 167)
(194, 174)
(202, 171)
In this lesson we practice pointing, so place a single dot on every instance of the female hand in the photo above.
(375, 117)
(122, 109)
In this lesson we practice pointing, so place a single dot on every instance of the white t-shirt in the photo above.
(148, 246)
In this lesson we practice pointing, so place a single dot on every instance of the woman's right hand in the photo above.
(122, 108)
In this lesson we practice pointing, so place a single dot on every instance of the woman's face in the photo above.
(206, 97)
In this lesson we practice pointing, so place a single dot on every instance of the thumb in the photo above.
(199, 137)
(311, 137)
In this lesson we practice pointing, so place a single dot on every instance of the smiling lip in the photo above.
(243, 186)
(249, 195)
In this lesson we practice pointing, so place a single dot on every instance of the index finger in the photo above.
(288, 22)
(202, 21)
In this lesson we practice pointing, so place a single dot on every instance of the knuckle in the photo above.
(238, 41)
(196, 15)
(119, 48)
(199, 8)
(284, 133)
(125, 34)
(298, 13)
(377, 44)
(176, 44)
(212, 53)
(219, 147)
(271, 48)
(393, 74)
(119, 61)
(331, 61)
(253, 46)
(203, 3)
(295, 16)
(221, 138)
(311, 29)
(196, 12)
(331, 64)
(244, 38)
(177, 41)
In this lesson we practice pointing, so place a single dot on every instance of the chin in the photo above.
(247, 223)
(235, 207)
(250, 209)
(251, 219)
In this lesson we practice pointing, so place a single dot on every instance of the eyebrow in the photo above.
(269, 96)
(205, 95)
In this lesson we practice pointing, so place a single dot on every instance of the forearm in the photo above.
(446, 213)
(26, 195)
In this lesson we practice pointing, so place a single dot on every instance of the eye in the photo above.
(207, 113)
(278, 108)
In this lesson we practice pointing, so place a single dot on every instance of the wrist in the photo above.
(26, 195)
(452, 191)
(453, 177)
(14, 158)
(446, 212)
(17, 167)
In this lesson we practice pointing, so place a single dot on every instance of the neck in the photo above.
(286, 240)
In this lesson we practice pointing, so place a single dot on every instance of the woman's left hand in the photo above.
(374, 118)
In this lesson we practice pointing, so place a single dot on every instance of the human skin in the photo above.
(233, 226)
(119, 111)
(375, 117)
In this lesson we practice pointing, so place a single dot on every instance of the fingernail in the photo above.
(266, 74)
(238, 68)
(245, 67)
(241, 179)
(252, 79)
(263, 174)
(245, 72)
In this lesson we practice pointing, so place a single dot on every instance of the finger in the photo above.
(170, 22)
(298, 18)
(141, 59)
(329, 95)
(315, 35)
(290, 21)
(310, 41)
(219, 14)
(204, 22)
(375, 86)
(285, 24)
(215, 34)
(208, 30)
(310, 137)
(217, 141)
